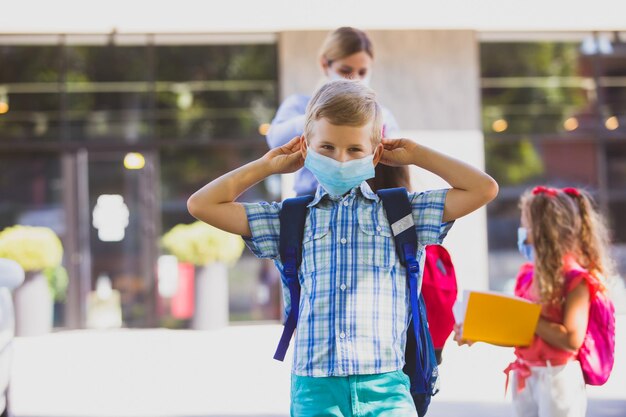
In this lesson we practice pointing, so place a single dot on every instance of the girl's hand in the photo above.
(457, 336)
(285, 159)
(398, 152)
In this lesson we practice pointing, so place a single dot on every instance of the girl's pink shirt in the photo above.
(540, 350)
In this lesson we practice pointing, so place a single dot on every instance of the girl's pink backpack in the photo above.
(597, 353)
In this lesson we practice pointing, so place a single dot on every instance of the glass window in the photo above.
(616, 179)
(521, 163)
(129, 90)
(618, 221)
(136, 92)
(254, 286)
(116, 238)
(552, 114)
(108, 92)
(31, 194)
(29, 92)
(214, 92)
(531, 87)
(616, 166)
(36, 199)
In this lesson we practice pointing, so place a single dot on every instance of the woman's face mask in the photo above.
(333, 76)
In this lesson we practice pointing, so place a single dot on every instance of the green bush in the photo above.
(200, 244)
(34, 248)
(57, 281)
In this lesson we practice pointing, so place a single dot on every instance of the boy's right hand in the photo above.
(285, 159)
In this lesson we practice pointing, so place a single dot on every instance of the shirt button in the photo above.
(345, 203)
(343, 240)
(378, 228)
(342, 335)
(343, 287)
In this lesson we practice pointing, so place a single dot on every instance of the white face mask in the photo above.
(333, 76)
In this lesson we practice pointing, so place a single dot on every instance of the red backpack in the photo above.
(439, 290)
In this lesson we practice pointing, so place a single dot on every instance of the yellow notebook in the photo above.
(496, 318)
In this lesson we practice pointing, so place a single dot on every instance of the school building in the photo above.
(112, 114)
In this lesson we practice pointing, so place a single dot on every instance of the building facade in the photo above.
(149, 114)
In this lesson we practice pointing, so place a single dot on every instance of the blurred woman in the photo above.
(346, 53)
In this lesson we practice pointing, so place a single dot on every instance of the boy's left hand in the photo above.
(398, 152)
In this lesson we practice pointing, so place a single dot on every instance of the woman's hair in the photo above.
(564, 222)
(345, 103)
(344, 42)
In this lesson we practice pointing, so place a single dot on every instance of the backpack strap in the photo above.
(292, 219)
(400, 216)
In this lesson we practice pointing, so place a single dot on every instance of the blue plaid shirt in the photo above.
(354, 302)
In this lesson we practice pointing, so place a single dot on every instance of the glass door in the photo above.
(122, 239)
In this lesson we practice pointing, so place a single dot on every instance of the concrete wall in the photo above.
(467, 241)
(430, 81)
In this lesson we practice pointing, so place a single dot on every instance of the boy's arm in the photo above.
(471, 188)
(214, 203)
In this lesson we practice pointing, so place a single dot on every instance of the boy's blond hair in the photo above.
(345, 103)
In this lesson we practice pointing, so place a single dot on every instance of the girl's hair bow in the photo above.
(540, 189)
(571, 191)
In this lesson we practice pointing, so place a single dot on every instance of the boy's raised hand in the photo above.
(471, 188)
(215, 203)
(398, 152)
(285, 159)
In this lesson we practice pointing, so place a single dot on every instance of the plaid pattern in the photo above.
(354, 302)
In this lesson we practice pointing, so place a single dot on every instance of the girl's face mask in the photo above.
(525, 249)
(339, 177)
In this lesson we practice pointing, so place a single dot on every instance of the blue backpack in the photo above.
(420, 360)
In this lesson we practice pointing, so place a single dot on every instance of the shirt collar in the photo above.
(363, 189)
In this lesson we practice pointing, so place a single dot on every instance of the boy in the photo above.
(354, 308)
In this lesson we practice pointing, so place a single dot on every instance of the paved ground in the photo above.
(230, 372)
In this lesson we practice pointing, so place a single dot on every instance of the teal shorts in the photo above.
(380, 395)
